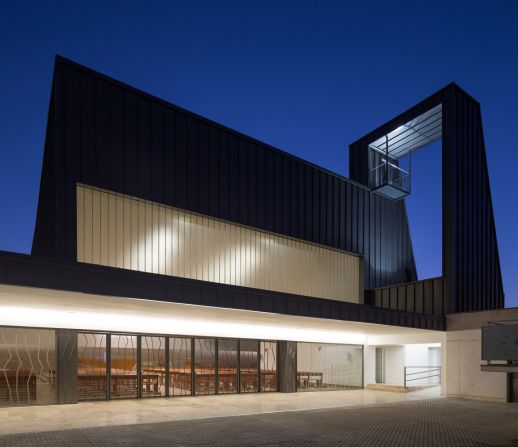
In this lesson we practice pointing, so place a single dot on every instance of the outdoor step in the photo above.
(394, 388)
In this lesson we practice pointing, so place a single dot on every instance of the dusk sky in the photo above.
(306, 77)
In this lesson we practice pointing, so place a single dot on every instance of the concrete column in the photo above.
(66, 371)
(287, 366)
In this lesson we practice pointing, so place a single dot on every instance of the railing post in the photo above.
(404, 372)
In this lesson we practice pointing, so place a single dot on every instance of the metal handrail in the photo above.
(391, 174)
(428, 369)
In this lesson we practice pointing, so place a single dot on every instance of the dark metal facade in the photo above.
(471, 265)
(424, 296)
(105, 134)
(25, 270)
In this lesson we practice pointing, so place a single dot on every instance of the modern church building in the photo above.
(173, 256)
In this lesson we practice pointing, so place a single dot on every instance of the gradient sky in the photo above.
(307, 77)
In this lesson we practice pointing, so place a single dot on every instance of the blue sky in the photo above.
(307, 77)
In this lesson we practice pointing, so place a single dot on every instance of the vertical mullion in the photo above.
(258, 366)
(363, 366)
(108, 365)
(238, 366)
(216, 366)
(193, 375)
(139, 366)
(277, 365)
(166, 366)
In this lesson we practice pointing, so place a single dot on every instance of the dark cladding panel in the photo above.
(66, 354)
(203, 168)
(270, 190)
(119, 139)
(323, 206)
(144, 173)
(156, 149)
(253, 168)
(129, 142)
(224, 175)
(242, 187)
(471, 262)
(193, 196)
(169, 151)
(308, 206)
(296, 184)
(87, 116)
(302, 227)
(284, 196)
(125, 139)
(329, 240)
(315, 194)
(471, 265)
(260, 184)
(103, 128)
(233, 160)
(180, 172)
(213, 185)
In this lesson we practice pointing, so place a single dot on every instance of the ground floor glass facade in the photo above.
(268, 365)
(153, 367)
(27, 366)
(180, 366)
(329, 367)
(91, 366)
(129, 366)
(197, 366)
(227, 366)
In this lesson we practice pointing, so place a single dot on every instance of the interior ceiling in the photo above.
(418, 132)
(35, 307)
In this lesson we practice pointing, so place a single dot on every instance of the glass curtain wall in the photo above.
(27, 366)
(124, 377)
(268, 365)
(91, 366)
(180, 366)
(248, 363)
(227, 366)
(329, 367)
(115, 365)
(152, 366)
(204, 365)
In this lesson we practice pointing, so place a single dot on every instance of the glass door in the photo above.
(124, 373)
(91, 366)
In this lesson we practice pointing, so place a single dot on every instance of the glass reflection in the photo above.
(123, 377)
(248, 363)
(91, 366)
(329, 367)
(227, 366)
(180, 361)
(27, 366)
(153, 366)
(204, 365)
(268, 364)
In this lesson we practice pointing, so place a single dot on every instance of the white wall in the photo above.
(463, 375)
(369, 364)
(463, 356)
(420, 355)
(394, 364)
(396, 357)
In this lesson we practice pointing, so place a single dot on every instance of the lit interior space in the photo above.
(129, 348)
